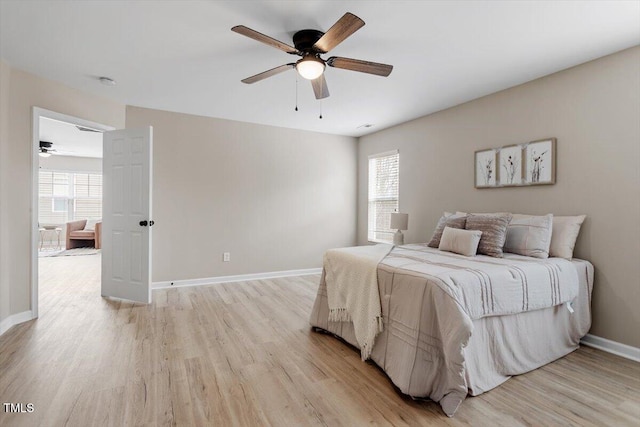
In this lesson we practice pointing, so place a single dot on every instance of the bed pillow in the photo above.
(91, 224)
(494, 231)
(452, 221)
(564, 235)
(483, 213)
(529, 235)
(463, 242)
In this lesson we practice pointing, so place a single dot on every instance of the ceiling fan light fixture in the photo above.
(310, 67)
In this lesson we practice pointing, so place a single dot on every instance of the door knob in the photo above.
(143, 223)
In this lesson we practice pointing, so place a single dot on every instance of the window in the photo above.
(53, 197)
(88, 195)
(67, 196)
(384, 177)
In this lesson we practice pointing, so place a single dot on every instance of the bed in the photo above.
(454, 325)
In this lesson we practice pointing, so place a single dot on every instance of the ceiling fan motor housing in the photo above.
(304, 40)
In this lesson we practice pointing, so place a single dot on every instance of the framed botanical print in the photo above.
(485, 168)
(510, 165)
(540, 162)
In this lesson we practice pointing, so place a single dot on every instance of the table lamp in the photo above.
(399, 221)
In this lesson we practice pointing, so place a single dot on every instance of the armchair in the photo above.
(78, 237)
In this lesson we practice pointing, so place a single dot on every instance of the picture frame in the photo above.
(540, 162)
(510, 166)
(485, 175)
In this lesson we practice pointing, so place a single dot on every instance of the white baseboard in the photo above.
(15, 319)
(612, 347)
(231, 279)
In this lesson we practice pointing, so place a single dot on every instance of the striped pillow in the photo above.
(494, 231)
(451, 221)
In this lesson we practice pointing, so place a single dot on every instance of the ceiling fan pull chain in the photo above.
(296, 91)
(321, 89)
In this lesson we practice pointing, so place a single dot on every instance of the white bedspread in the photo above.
(485, 286)
(351, 275)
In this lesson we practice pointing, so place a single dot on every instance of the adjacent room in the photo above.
(319, 213)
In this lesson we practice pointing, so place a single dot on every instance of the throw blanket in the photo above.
(351, 275)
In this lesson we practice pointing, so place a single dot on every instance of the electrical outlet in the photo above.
(226, 256)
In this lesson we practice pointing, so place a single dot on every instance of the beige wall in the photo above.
(5, 295)
(71, 163)
(19, 93)
(260, 192)
(594, 111)
(274, 198)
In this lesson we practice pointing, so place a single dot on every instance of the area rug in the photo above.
(70, 252)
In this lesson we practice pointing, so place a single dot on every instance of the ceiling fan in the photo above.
(45, 149)
(310, 44)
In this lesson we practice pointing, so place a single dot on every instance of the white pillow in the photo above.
(529, 235)
(91, 224)
(564, 236)
(463, 242)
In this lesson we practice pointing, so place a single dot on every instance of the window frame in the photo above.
(389, 153)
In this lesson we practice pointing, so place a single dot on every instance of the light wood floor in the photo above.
(243, 354)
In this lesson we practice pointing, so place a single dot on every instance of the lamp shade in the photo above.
(399, 221)
(310, 67)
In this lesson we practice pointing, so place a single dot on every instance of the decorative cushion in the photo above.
(529, 235)
(494, 231)
(463, 242)
(564, 235)
(91, 224)
(450, 220)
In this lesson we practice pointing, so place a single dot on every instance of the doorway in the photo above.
(66, 189)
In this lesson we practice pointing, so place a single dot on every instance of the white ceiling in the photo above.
(68, 140)
(181, 55)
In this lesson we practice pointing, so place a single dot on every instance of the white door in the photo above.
(126, 214)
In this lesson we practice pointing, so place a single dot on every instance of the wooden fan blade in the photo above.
(361, 66)
(320, 87)
(347, 25)
(253, 34)
(268, 73)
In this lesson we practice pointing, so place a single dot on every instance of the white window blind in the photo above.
(88, 195)
(67, 196)
(53, 198)
(384, 177)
